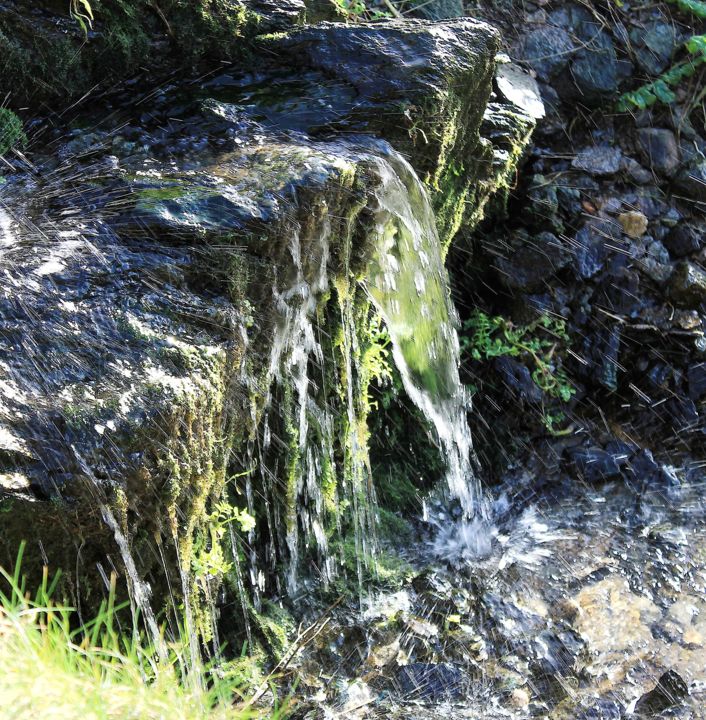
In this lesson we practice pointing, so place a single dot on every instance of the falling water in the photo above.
(408, 283)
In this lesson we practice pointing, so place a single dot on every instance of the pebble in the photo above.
(634, 223)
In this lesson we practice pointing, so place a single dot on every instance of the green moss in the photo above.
(49, 58)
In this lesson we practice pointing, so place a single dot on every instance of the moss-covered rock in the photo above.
(199, 328)
(47, 56)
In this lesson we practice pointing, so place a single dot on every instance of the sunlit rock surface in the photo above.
(184, 314)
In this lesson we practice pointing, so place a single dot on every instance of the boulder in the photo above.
(173, 271)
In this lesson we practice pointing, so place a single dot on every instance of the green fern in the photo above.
(661, 89)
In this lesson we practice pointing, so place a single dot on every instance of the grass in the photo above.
(55, 668)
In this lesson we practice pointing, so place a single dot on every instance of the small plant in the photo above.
(662, 89)
(82, 13)
(209, 560)
(536, 344)
(358, 10)
(96, 668)
(695, 7)
(11, 133)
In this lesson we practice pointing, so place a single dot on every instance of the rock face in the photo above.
(186, 319)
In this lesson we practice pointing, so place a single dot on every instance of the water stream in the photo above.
(408, 283)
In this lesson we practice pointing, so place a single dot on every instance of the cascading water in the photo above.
(408, 283)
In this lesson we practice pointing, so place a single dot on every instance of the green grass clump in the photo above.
(55, 666)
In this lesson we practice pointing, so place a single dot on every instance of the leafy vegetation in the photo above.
(11, 133)
(57, 666)
(83, 14)
(538, 345)
(695, 7)
(358, 10)
(662, 89)
(488, 337)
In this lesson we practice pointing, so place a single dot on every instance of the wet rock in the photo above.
(594, 464)
(634, 224)
(659, 149)
(520, 88)
(635, 171)
(696, 376)
(595, 68)
(431, 682)
(542, 208)
(599, 161)
(547, 51)
(684, 239)
(603, 710)
(669, 691)
(688, 284)
(404, 75)
(279, 14)
(518, 379)
(520, 698)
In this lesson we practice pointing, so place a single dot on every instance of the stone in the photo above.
(595, 69)
(696, 377)
(684, 239)
(592, 249)
(530, 265)
(669, 691)
(635, 171)
(519, 698)
(594, 464)
(688, 284)
(659, 149)
(612, 619)
(547, 51)
(517, 379)
(692, 180)
(142, 339)
(400, 76)
(653, 45)
(603, 710)
(431, 682)
(634, 223)
(598, 161)
(520, 88)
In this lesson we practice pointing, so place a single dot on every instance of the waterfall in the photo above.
(409, 285)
